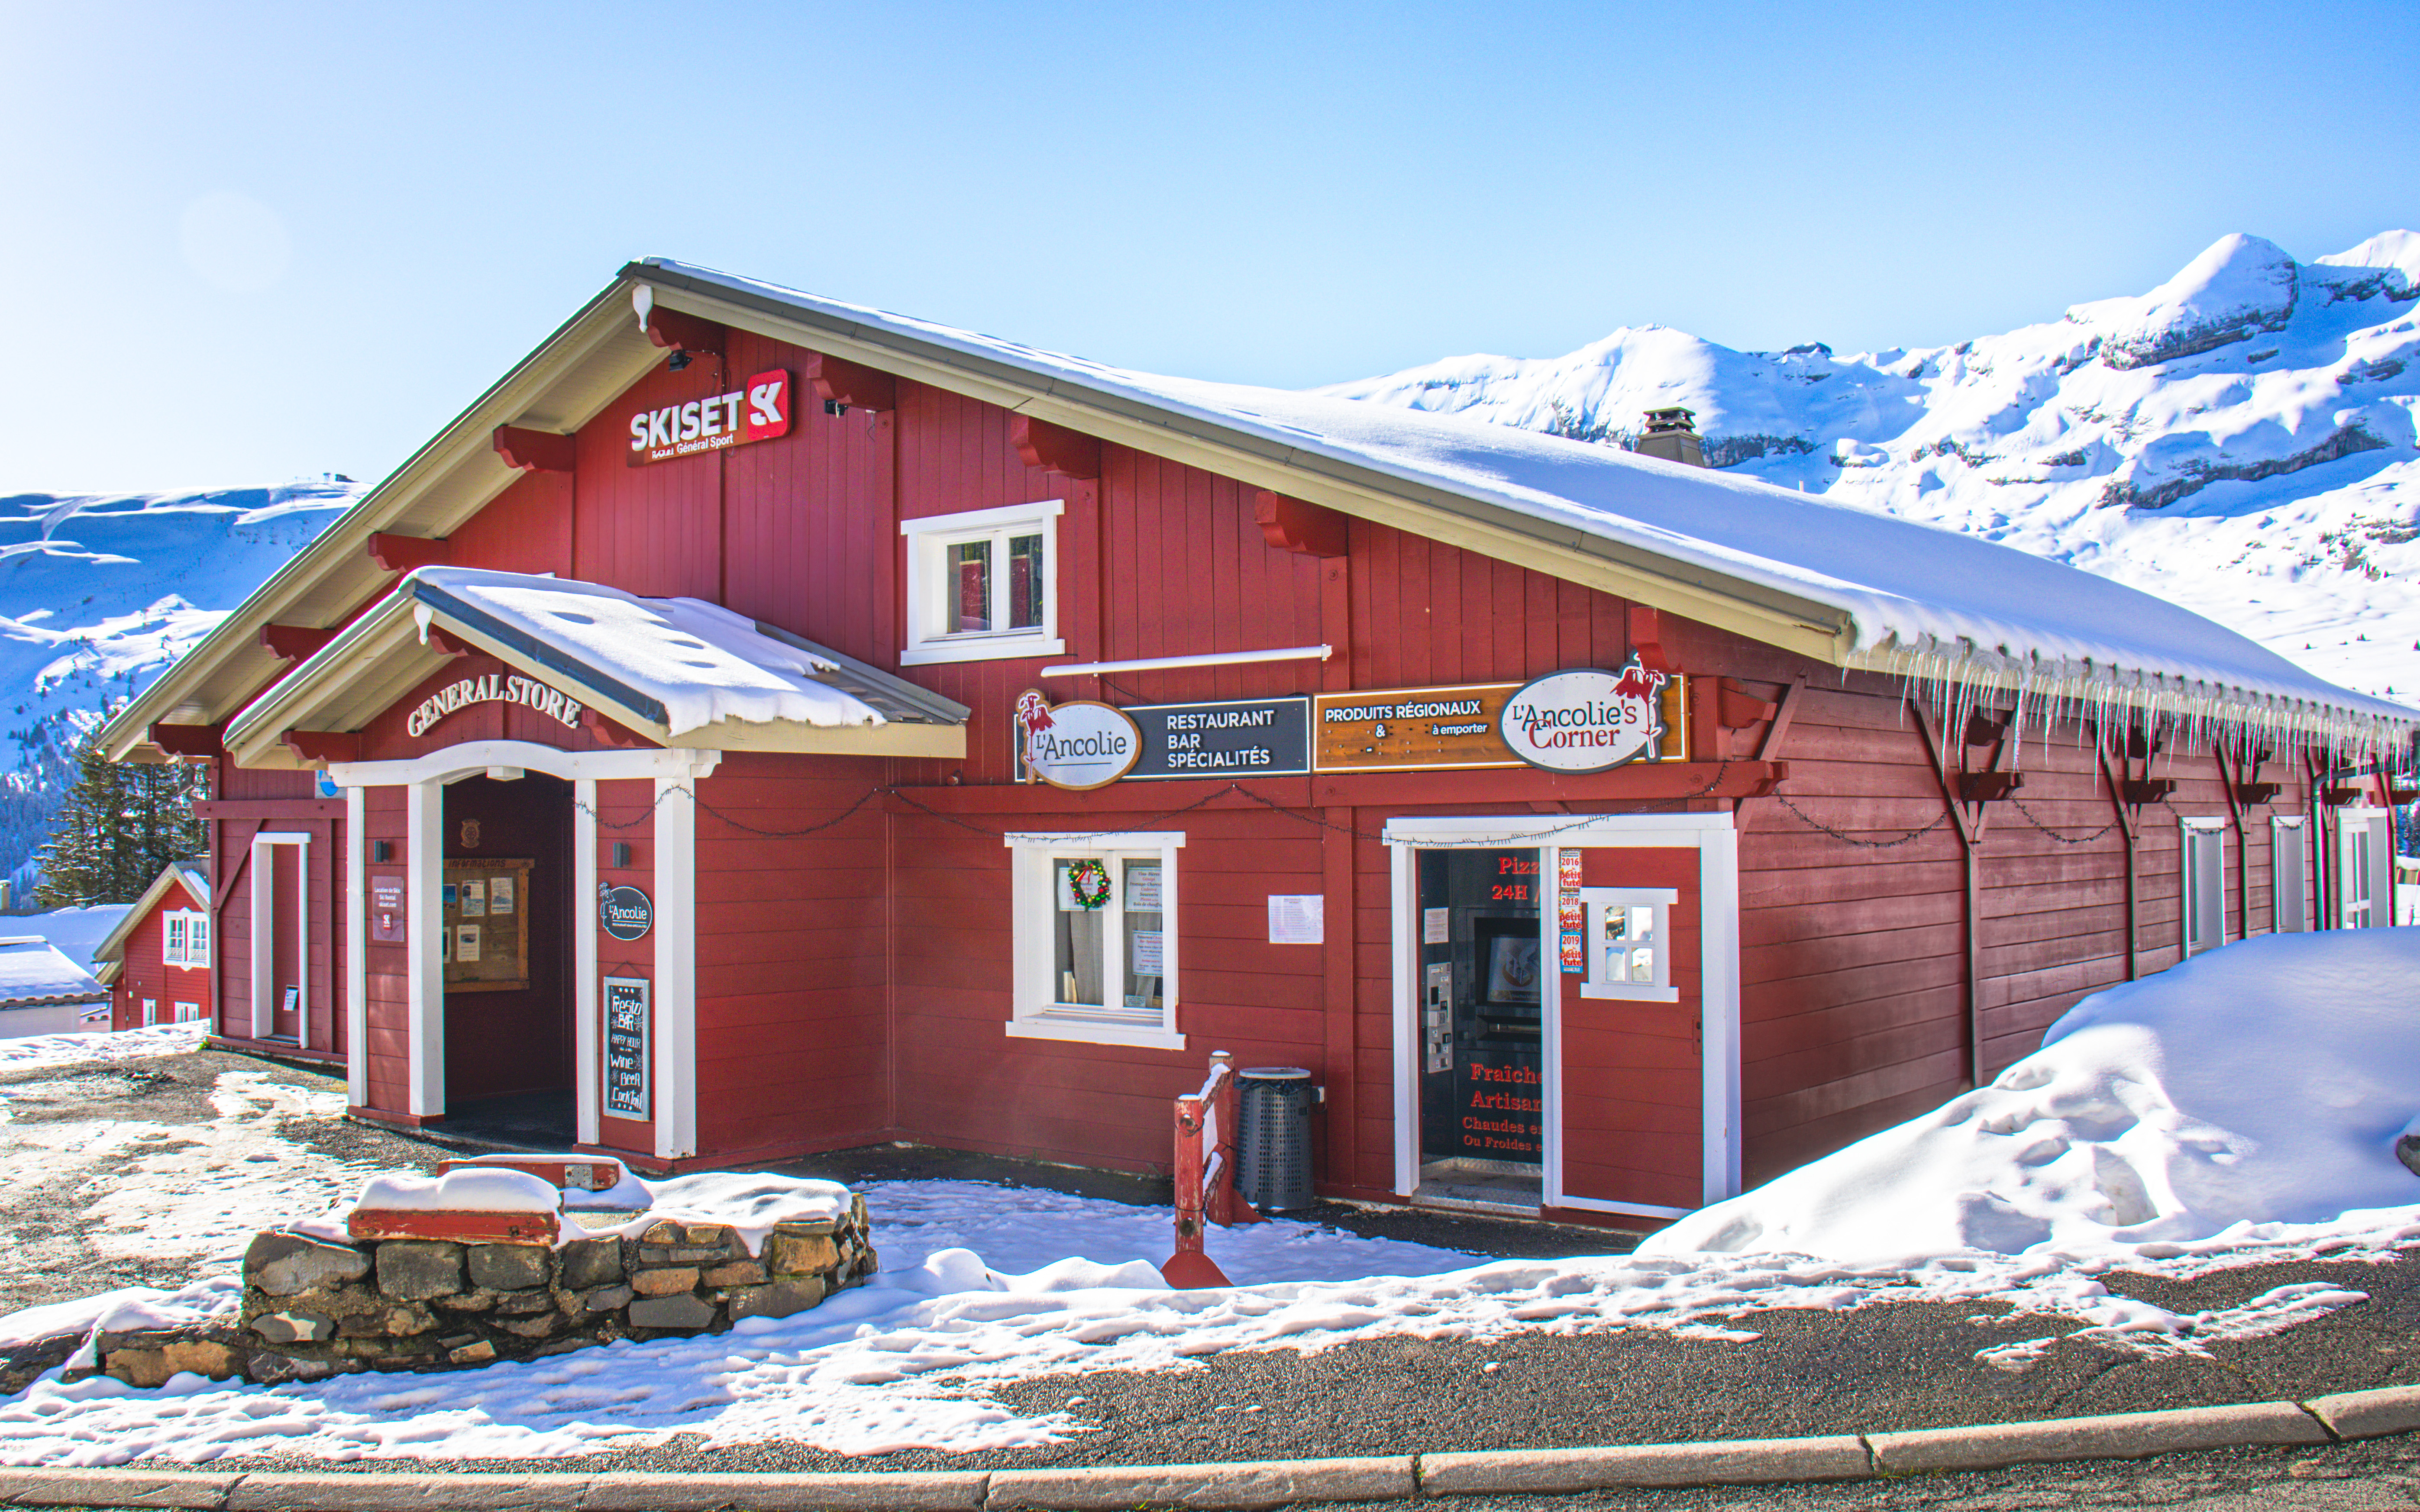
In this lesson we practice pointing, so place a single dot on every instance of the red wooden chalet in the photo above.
(156, 962)
(865, 729)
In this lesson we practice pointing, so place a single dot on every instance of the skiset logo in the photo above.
(759, 411)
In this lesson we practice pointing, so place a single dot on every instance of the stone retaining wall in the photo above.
(314, 1308)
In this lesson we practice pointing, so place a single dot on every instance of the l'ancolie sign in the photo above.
(757, 410)
(493, 687)
(1585, 719)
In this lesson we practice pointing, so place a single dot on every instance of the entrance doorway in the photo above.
(506, 914)
(1480, 985)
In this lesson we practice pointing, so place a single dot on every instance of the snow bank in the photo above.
(122, 1045)
(2263, 1084)
(492, 1190)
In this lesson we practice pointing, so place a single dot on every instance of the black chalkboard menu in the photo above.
(626, 1048)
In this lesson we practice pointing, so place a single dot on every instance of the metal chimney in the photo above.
(1672, 434)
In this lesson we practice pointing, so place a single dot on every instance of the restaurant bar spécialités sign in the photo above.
(757, 410)
(1580, 719)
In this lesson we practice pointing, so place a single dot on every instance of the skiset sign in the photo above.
(757, 410)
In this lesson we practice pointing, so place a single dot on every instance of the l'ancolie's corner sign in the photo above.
(1586, 719)
(757, 410)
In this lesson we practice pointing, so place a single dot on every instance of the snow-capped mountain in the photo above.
(2241, 439)
(98, 595)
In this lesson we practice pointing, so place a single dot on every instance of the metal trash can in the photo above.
(1273, 1145)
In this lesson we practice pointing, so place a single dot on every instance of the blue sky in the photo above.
(250, 242)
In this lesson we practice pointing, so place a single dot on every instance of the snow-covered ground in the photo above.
(2239, 440)
(2239, 1109)
(73, 1049)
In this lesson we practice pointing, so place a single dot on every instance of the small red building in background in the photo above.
(156, 962)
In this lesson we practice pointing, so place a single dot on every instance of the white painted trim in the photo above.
(925, 643)
(2186, 828)
(1593, 900)
(264, 933)
(676, 993)
(357, 962)
(1034, 1010)
(1207, 658)
(473, 758)
(1716, 842)
(423, 925)
(2298, 827)
(1007, 646)
(972, 521)
(588, 1067)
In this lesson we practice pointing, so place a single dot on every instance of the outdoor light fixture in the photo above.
(679, 360)
(381, 850)
(621, 853)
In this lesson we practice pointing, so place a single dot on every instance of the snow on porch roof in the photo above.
(34, 973)
(1914, 599)
(677, 670)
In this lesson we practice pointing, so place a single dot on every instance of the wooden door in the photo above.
(1631, 1070)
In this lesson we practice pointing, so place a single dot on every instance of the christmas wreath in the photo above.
(1088, 880)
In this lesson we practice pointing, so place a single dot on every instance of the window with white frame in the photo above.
(151, 1011)
(1629, 944)
(187, 1012)
(2364, 868)
(185, 937)
(983, 585)
(1095, 938)
(2204, 853)
(2289, 898)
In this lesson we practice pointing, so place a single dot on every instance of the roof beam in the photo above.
(1055, 448)
(402, 553)
(294, 643)
(1297, 525)
(533, 451)
(311, 747)
(188, 739)
(837, 381)
(679, 333)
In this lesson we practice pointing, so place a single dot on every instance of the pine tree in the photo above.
(117, 829)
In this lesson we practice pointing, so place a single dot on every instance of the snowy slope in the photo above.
(2239, 440)
(98, 595)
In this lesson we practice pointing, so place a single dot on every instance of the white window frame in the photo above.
(264, 918)
(194, 925)
(1595, 901)
(2359, 865)
(150, 1012)
(185, 1012)
(2288, 837)
(930, 597)
(1035, 1011)
(2187, 830)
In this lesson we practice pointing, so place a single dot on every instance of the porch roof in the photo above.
(677, 670)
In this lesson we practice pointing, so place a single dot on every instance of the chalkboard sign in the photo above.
(626, 1048)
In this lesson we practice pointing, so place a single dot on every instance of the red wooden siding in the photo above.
(626, 811)
(385, 817)
(1633, 1089)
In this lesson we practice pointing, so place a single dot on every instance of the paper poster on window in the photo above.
(449, 895)
(466, 943)
(500, 895)
(1147, 952)
(475, 902)
(1297, 918)
(1143, 889)
(1436, 925)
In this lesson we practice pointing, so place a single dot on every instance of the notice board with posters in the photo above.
(485, 917)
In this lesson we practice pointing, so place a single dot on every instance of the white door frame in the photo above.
(426, 778)
(1715, 839)
(264, 932)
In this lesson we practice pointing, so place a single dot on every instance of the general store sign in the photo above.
(1586, 719)
(1079, 744)
(1456, 726)
(1238, 737)
(757, 410)
(493, 687)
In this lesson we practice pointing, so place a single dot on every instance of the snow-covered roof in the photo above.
(34, 973)
(677, 670)
(1914, 599)
(192, 875)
